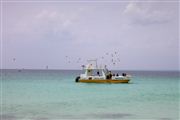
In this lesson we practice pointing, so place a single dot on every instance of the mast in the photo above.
(95, 61)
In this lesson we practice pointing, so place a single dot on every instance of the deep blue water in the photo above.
(54, 95)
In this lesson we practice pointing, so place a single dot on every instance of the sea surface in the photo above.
(54, 95)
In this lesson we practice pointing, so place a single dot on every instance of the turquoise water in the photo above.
(53, 95)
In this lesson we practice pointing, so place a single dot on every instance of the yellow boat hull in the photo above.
(103, 81)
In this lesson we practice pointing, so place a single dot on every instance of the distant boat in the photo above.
(47, 67)
(95, 74)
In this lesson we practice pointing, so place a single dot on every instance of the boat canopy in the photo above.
(92, 65)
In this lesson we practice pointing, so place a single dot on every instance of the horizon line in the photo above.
(87, 1)
(81, 69)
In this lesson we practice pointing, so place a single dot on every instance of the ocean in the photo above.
(54, 95)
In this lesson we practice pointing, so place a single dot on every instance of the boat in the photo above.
(95, 74)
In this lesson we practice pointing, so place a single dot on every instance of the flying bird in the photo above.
(14, 59)
(83, 66)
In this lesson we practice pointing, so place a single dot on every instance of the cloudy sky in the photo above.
(137, 35)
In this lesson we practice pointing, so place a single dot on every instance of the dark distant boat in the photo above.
(95, 74)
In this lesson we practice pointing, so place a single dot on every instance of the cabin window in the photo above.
(94, 73)
(89, 72)
(97, 73)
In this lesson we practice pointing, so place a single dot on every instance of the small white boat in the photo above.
(95, 74)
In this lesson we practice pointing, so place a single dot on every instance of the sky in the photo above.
(137, 35)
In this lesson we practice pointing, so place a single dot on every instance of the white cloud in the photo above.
(45, 24)
(56, 16)
(132, 8)
(145, 14)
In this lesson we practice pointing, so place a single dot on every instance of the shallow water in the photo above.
(54, 95)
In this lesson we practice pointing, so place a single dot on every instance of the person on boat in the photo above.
(107, 76)
(98, 73)
(117, 74)
(123, 74)
(110, 75)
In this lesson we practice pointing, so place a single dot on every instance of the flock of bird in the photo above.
(112, 57)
